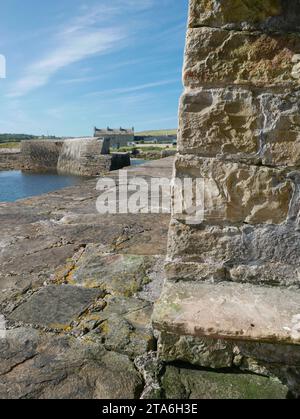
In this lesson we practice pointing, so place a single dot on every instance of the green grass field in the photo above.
(10, 145)
(157, 132)
(145, 149)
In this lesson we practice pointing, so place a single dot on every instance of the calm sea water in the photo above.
(17, 185)
(137, 162)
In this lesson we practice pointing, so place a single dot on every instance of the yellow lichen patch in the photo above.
(64, 274)
(63, 327)
(104, 328)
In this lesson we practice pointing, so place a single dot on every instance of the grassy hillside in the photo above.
(157, 132)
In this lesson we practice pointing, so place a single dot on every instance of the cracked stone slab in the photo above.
(118, 274)
(55, 306)
(35, 365)
(229, 311)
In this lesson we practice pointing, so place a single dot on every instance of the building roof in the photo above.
(98, 132)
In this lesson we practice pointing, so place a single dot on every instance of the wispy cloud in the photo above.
(88, 34)
(108, 68)
(133, 88)
(75, 47)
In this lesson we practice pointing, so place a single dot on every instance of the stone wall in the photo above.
(10, 159)
(41, 155)
(234, 277)
(161, 139)
(80, 156)
(84, 157)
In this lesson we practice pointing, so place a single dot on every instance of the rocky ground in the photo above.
(77, 290)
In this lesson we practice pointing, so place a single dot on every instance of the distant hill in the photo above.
(157, 132)
(8, 138)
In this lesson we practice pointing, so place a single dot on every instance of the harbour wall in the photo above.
(80, 156)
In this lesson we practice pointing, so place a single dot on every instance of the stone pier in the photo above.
(77, 156)
(232, 295)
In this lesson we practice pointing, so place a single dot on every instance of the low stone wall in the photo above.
(84, 157)
(80, 156)
(161, 139)
(41, 155)
(156, 155)
(10, 159)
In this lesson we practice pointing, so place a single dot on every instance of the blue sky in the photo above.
(74, 64)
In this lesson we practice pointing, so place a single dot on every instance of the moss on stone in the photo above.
(185, 383)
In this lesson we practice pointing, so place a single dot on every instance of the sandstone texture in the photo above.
(240, 193)
(231, 297)
(220, 58)
(237, 311)
(240, 125)
(254, 15)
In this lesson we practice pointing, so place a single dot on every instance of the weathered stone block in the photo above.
(238, 193)
(195, 271)
(218, 58)
(241, 125)
(259, 254)
(265, 359)
(220, 122)
(268, 15)
(203, 352)
(280, 131)
(206, 244)
(229, 311)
